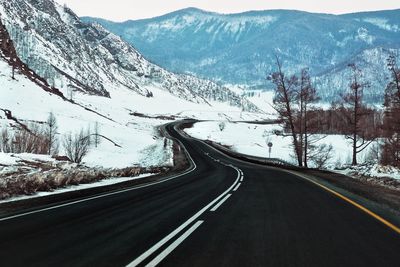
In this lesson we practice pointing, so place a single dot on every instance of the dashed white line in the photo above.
(220, 203)
(174, 245)
(237, 186)
(163, 241)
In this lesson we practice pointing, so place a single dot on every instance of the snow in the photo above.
(231, 25)
(383, 24)
(97, 62)
(140, 143)
(7, 159)
(252, 139)
(105, 182)
(363, 35)
(264, 100)
(374, 170)
(28, 102)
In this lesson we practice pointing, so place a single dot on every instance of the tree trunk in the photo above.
(295, 141)
(305, 138)
(355, 123)
(354, 150)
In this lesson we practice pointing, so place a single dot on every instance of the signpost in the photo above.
(269, 148)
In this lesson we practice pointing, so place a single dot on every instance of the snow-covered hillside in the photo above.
(92, 76)
(140, 143)
(127, 119)
(74, 56)
(241, 48)
(30, 103)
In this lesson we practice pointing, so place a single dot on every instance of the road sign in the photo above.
(269, 148)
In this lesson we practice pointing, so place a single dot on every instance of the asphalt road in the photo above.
(222, 213)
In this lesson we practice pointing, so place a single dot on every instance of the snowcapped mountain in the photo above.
(78, 57)
(241, 48)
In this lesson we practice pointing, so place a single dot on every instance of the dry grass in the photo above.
(47, 178)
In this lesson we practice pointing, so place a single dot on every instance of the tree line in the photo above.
(44, 138)
(306, 123)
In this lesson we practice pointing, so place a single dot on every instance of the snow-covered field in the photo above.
(252, 139)
(264, 101)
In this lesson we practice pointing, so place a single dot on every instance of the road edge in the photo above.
(383, 211)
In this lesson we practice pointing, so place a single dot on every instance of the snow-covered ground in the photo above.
(372, 170)
(252, 139)
(264, 101)
(140, 143)
(127, 119)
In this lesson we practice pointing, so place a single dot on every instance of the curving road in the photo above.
(223, 212)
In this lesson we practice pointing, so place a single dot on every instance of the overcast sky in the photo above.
(120, 10)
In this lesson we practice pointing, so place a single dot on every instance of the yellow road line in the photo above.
(376, 216)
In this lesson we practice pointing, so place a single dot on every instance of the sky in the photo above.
(121, 10)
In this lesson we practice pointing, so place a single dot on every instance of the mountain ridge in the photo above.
(195, 9)
(240, 48)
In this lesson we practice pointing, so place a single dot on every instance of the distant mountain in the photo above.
(241, 48)
(75, 56)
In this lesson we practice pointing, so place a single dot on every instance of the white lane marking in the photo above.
(221, 202)
(237, 186)
(241, 178)
(103, 195)
(174, 245)
(162, 242)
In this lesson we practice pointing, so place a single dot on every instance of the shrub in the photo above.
(77, 145)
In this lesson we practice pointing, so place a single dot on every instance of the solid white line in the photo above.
(88, 199)
(160, 243)
(236, 188)
(174, 245)
(241, 178)
(103, 195)
(220, 203)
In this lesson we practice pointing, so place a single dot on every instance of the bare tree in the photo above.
(284, 101)
(96, 134)
(13, 59)
(391, 123)
(76, 146)
(353, 100)
(320, 155)
(31, 139)
(70, 92)
(51, 132)
(307, 95)
(5, 139)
